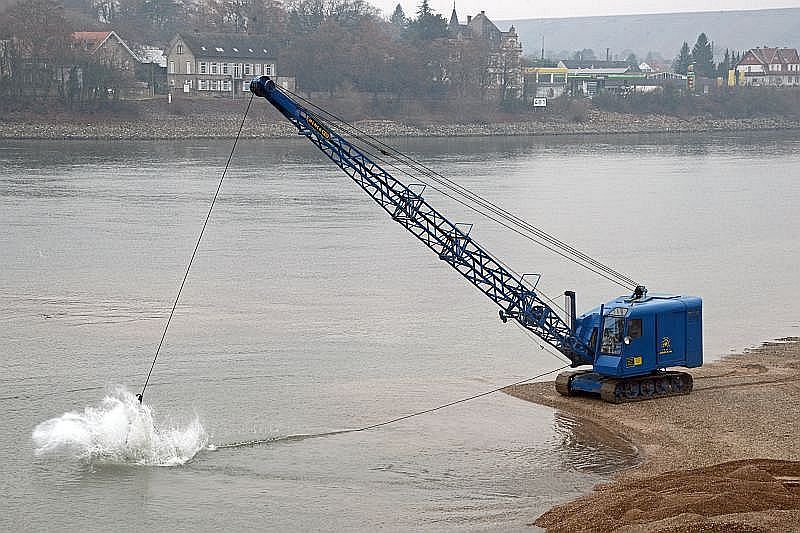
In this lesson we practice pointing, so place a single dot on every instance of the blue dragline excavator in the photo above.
(629, 342)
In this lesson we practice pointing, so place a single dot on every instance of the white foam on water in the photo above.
(118, 430)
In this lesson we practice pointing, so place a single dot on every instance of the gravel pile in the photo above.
(733, 496)
(743, 409)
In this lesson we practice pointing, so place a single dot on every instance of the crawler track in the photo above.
(636, 389)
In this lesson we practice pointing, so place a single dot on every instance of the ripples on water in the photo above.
(307, 311)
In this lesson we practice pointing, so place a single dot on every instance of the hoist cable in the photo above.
(463, 191)
(140, 396)
(494, 219)
(578, 257)
(512, 218)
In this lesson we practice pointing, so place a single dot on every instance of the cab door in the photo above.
(639, 354)
(670, 338)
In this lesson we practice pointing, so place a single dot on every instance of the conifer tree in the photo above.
(703, 57)
(684, 59)
(398, 18)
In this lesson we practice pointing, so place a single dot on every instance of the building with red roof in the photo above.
(108, 47)
(769, 67)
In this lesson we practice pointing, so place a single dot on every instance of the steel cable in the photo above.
(140, 396)
(578, 256)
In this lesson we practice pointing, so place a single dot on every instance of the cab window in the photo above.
(635, 328)
(611, 342)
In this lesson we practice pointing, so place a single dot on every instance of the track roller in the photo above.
(641, 388)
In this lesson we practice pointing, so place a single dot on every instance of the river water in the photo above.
(308, 311)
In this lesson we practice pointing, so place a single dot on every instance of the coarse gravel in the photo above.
(262, 124)
(724, 458)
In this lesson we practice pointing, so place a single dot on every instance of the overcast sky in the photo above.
(526, 9)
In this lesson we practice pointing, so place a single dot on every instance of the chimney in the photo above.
(469, 19)
(483, 13)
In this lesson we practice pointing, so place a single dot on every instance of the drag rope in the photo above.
(304, 436)
(462, 400)
(194, 252)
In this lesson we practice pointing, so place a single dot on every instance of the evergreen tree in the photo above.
(428, 25)
(703, 57)
(398, 18)
(684, 59)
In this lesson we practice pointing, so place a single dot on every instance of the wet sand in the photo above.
(724, 458)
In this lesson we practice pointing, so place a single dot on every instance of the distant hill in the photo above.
(662, 33)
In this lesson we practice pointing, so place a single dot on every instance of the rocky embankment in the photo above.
(198, 126)
(724, 458)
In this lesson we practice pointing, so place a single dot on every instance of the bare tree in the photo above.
(38, 43)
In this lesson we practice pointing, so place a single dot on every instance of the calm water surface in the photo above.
(308, 311)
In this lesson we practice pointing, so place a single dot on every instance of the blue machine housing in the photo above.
(637, 336)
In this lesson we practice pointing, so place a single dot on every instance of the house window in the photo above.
(245, 87)
(188, 67)
(214, 68)
(268, 70)
(203, 67)
(237, 70)
(172, 67)
(226, 85)
(248, 69)
(172, 82)
(258, 69)
(215, 85)
(180, 49)
(202, 85)
(225, 68)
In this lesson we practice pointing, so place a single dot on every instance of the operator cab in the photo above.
(637, 335)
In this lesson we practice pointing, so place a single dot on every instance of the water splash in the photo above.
(119, 430)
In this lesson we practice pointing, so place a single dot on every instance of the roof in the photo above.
(239, 45)
(770, 56)
(594, 64)
(482, 26)
(454, 16)
(92, 41)
(545, 70)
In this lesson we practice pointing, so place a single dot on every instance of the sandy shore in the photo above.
(725, 458)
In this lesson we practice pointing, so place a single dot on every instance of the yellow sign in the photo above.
(666, 346)
(318, 127)
(636, 360)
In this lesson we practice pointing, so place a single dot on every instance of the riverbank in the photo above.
(724, 458)
(263, 123)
